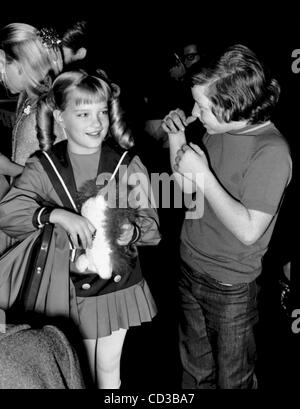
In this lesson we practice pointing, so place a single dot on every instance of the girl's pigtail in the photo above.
(45, 122)
(121, 133)
(118, 128)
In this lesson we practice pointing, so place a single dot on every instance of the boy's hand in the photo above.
(78, 227)
(127, 234)
(175, 122)
(191, 159)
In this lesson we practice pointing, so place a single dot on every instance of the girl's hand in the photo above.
(175, 122)
(191, 159)
(78, 227)
(127, 234)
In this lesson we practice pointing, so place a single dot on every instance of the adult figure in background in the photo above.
(74, 43)
(176, 67)
(169, 93)
(78, 48)
(28, 59)
(190, 54)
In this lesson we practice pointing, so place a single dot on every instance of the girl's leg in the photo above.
(108, 358)
(90, 347)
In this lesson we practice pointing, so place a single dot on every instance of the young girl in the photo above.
(27, 59)
(87, 109)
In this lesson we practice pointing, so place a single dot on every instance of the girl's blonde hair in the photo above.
(91, 88)
(38, 58)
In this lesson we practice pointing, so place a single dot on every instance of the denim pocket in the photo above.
(228, 287)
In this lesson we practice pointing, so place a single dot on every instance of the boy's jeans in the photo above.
(216, 338)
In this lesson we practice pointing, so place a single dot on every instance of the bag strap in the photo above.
(36, 263)
(57, 181)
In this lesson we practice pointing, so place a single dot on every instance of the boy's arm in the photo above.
(246, 224)
(176, 135)
(248, 218)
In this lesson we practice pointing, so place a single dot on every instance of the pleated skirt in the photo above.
(99, 316)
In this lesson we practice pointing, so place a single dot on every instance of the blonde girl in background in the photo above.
(28, 59)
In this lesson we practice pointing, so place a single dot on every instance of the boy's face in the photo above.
(202, 110)
(190, 55)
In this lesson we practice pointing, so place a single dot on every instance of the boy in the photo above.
(245, 170)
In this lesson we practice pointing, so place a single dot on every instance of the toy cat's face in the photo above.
(98, 258)
(94, 210)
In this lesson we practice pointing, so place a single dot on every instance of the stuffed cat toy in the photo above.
(106, 255)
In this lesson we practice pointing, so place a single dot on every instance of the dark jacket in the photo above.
(38, 359)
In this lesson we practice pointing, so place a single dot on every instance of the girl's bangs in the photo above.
(90, 95)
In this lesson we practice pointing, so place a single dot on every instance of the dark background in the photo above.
(131, 42)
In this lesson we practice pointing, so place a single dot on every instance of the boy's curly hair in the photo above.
(238, 85)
